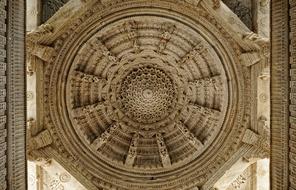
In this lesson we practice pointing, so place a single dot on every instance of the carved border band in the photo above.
(283, 95)
(16, 101)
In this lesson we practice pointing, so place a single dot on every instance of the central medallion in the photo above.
(147, 95)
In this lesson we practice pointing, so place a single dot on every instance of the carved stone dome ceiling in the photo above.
(145, 95)
(134, 81)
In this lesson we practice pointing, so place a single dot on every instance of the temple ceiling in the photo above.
(146, 94)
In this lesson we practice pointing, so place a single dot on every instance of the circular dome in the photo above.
(145, 96)
(151, 77)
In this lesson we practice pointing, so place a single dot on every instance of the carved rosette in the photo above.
(145, 95)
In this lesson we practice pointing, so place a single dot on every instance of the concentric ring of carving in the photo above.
(125, 85)
(146, 96)
(149, 93)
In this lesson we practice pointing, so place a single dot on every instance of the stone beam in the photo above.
(101, 140)
(132, 153)
(163, 152)
(197, 144)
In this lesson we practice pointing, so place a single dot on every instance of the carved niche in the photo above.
(143, 94)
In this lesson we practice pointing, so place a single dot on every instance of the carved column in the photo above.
(283, 117)
(292, 129)
(12, 96)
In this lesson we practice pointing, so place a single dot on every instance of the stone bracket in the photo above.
(259, 143)
(43, 52)
(251, 137)
(41, 140)
(250, 58)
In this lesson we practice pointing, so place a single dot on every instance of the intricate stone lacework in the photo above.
(147, 95)
(151, 95)
(147, 90)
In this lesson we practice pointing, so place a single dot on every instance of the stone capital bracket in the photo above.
(37, 49)
(263, 46)
(43, 52)
(260, 41)
(39, 141)
(260, 144)
(250, 58)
